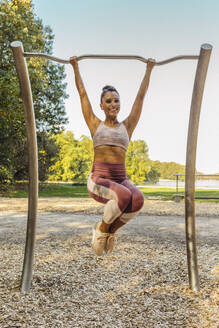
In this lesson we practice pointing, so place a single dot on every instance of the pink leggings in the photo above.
(108, 184)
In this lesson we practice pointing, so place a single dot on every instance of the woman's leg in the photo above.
(133, 208)
(116, 197)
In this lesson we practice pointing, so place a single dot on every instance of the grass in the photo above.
(159, 192)
(20, 190)
(167, 193)
(80, 191)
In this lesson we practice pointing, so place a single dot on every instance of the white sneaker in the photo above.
(99, 239)
(110, 243)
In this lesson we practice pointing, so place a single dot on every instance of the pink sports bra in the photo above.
(105, 135)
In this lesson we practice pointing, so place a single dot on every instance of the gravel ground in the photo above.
(90, 206)
(143, 283)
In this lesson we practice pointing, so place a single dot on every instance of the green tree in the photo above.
(74, 158)
(137, 161)
(153, 175)
(168, 169)
(46, 154)
(18, 22)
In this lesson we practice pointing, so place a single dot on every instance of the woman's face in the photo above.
(110, 104)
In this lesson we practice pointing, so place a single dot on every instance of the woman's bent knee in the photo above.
(138, 202)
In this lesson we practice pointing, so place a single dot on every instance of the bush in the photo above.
(6, 176)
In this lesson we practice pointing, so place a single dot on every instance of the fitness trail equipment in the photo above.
(26, 94)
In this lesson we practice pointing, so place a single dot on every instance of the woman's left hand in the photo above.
(73, 61)
(151, 63)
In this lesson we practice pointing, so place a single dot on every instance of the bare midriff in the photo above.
(109, 154)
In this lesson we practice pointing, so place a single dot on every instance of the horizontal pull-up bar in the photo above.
(136, 58)
(59, 60)
(65, 61)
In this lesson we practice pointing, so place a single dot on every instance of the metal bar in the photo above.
(129, 57)
(198, 89)
(170, 60)
(26, 94)
(135, 57)
(59, 60)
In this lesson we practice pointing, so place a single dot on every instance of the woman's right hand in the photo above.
(73, 61)
(151, 63)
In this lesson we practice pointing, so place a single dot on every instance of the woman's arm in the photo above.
(133, 118)
(89, 116)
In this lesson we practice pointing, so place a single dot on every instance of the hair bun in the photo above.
(108, 87)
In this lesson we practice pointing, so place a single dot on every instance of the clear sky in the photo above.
(159, 29)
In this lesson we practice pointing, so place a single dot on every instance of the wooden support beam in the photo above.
(197, 95)
(26, 96)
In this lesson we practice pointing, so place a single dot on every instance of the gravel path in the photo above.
(143, 283)
(90, 206)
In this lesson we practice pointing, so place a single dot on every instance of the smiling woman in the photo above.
(108, 182)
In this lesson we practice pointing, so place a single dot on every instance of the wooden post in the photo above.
(26, 94)
(198, 89)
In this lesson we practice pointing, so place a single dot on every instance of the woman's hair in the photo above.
(106, 89)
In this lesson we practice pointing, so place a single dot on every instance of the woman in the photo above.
(107, 182)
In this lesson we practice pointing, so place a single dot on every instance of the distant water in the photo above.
(198, 183)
